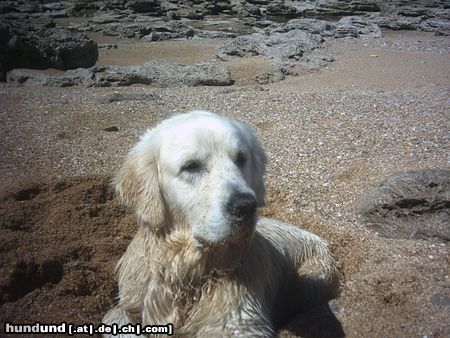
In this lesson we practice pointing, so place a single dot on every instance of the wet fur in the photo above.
(245, 286)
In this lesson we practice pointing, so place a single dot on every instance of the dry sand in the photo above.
(329, 135)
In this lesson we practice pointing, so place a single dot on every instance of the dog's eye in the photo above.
(192, 166)
(241, 159)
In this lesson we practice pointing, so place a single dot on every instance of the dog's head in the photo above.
(196, 170)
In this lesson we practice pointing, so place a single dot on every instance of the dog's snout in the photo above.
(242, 205)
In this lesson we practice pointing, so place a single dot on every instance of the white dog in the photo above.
(201, 259)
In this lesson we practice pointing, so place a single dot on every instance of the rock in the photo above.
(111, 129)
(356, 26)
(152, 7)
(26, 45)
(153, 31)
(288, 44)
(281, 9)
(291, 40)
(82, 7)
(242, 46)
(164, 73)
(292, 44)
(213, 34)
(438, 26)
(68, 79)
(126, 30)
(316, 61)
(313, 26)
(414, 11)
(411, 204)
(338, 8)
(107, 46)
(118, 97)
(105, 18)
(346, 31)
(275, 73)
(275, 45)
(159, 73)
(395, 22)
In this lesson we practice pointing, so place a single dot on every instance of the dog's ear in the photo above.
(258, 163)
(137, 186)
(259, 168)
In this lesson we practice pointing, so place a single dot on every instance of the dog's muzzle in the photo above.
(242, 208)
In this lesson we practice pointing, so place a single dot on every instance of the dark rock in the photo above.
(395, 22)
(107, 18)
(153, 31)
(339, 8)
(281, 9)
(414, 11)
(356, 26)
(25, 76)
(118, 97)
(412, 204)
(53, 6)
(152, 7)
(440, 300)
(82, 7)
(107, 46)
(135, 30)
(2, 73)
(111, 129)
(7, 7)
(438, 26)
(164, 35)
(26, 45)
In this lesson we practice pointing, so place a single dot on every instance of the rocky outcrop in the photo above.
(157, 31)
(412, 204)
(292, 40)
(275, 45)
(251, 25)
(160, 73)
(26, 45)
(324, 9)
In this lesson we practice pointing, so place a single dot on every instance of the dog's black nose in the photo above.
(242, 206)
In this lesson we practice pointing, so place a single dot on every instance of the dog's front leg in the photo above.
(316, 278)
(119, 317)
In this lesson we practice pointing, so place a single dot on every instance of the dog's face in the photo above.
(199, 171)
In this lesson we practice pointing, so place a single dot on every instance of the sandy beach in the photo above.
(330, 135)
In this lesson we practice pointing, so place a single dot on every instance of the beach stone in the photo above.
(410, 204)
(119, 97)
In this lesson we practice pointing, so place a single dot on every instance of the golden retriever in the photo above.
(201, 259)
